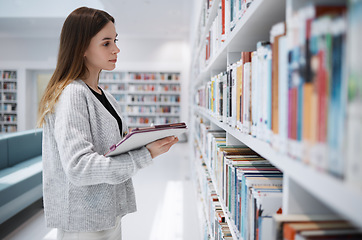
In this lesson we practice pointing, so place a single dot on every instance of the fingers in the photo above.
(172, 142)
(168, 140)
(161, 146)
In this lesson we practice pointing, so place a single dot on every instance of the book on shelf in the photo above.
(309, 84)
(353, 109)
(292, 229)
(277, 31)
(329, 234)
(229, 14)
(8, 101)
(310, 225)
(266, 201)
(281, 138)
(292, 92)
(254, 93)
(139, 137)
(247, 185)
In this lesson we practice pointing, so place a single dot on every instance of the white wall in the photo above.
(35, 54)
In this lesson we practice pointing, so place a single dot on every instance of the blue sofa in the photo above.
(20, 171)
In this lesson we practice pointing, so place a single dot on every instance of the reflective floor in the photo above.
(166, 203)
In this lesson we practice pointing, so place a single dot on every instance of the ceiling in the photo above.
(168, 19)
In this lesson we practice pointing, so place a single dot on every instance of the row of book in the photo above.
(154, 120)
(154, 76)
(134, 88)
(171, 87)
(104, 75)
(8, 86)
(8, 128)
(292, 91)
(251, 191)
(215, 223)
(142, 98)
(7, 107)
(8, 75)
(8, 96)
(116, 76)
(153, 109)
(248, 185)
(113, 87)
(216, 226)
(169, 109)
(143, 87)
(141, 109)
(121, 98)
(169, 99)
(6, 118)
(165, 99)
(166, 120)
(313, 227)
(230, 12)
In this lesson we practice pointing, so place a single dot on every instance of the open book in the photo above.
(139, 137)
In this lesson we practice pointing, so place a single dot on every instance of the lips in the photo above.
(113, 61)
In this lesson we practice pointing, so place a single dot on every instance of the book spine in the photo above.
(247, 76)
(225, 97)
(336, 114)
(238, 94)
(233, 96)
(223, 18)
(268, 74)
(354, 102)
(254, 90)
(227, 18)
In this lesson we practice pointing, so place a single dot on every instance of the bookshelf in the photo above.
(306, 189)
(8, 101)
(145, 97)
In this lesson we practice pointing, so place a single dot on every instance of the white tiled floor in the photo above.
(166, 204)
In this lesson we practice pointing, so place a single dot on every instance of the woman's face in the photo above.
(102, 50)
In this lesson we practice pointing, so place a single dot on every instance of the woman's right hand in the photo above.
(161, 146)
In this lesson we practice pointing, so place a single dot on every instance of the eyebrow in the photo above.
(108, 38)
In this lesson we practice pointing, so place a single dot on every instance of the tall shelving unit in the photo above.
(305, 189)
(8, 101)
(145, 97)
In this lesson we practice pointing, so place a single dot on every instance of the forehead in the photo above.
(108, 31)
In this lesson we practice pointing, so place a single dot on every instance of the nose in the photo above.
(116, 50)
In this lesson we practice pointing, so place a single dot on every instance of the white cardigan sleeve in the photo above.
(81, 163)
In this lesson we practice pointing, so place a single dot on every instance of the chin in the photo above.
(110, 68)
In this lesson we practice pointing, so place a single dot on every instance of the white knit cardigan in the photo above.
(83, 190)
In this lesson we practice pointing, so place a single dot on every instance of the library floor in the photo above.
(166, 202)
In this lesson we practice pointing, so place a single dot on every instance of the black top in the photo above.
(102, 98)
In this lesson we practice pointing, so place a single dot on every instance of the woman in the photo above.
(85, 193)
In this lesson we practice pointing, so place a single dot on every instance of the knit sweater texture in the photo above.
(82, 189)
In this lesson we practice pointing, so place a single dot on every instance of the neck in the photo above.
(92, 80)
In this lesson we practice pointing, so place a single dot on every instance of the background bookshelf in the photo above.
(8, 101)
(145, 97)
(307, 189)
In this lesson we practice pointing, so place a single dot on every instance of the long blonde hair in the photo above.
(78, 29)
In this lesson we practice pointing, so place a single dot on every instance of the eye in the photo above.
(115, 40)
(106, 44)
